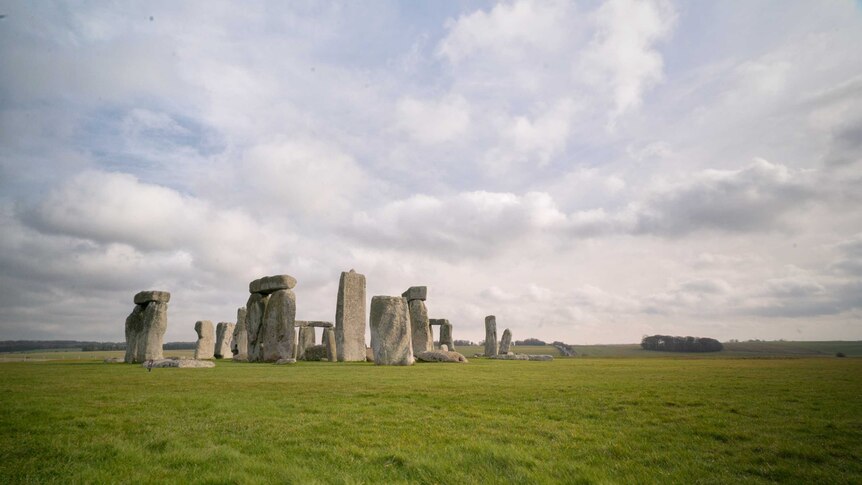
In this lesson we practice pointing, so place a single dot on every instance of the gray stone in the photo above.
(446, 335)
(329, 342)
(444, 348)
(224, 340)
(271, 284)
(114, 360)
(178, 363)
(134, 329)
(436, 321)
(285, 361)
(440, 356)
(314, 323)
(255, 308)
(277, 334)
(505, 342)
(541, 357)
(416, 293)
(315, 353)
(152, 295)
(390, 331)
(145, 327)
(206, 340)
(369, 354)
(511, 357)
(239, 345)
(491, 348)
(350, 317)
(306, 340)
(421, 331)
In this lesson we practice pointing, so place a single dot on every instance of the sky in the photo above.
(589, 172)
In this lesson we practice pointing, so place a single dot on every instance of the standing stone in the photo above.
(329, 342)
(306, 340)
(421, 336)
(491, 336)
(255, 308)
(506, 342)
(155, 326)
(239, 346)
(390, 331)
(350, 317)
(206, 340)
(134, 331)
(277, 338)
(146, 326)
(446, 335)
(224, 340)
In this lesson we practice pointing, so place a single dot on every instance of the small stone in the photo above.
(444, 348)
(440, 356)
(205, 347)
(285, 361)
(416, 293)
(541, 357)
(152, 295)
(315, 353)
(511, 357)
(114, 360)
(270, 284)
(178, 363)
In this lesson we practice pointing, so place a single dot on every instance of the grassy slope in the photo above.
(570, 420)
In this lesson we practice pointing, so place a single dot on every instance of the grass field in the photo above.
(605, 420)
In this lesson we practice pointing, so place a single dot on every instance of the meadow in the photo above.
(679, 419)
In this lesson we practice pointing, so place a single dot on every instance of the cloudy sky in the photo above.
(588, 172)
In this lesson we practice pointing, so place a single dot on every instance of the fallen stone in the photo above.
(491, 348)
(306, 340)
(390, 331)
(152, 295)
(224, 340)
(315, 353)
(505, 342)
(440, 356)
(285, 361)
(541, 357)
(511, 357)
(416, 293)
(328, 339)
(114, 360)
(271, 284)
(277, 335)
(204, 349)
(178, 363)
(239, 345)
(350, 317)
(420, 330)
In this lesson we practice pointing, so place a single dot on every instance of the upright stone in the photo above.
(134, 331)
(146, 326)
(306, 340)
(255, 308)
(505, 342)
(350, 317)
(206, 340)
(421, 336)
(224, 340)
(277, 338)
(329, 342)
(446, 335)
(239, 346)
(491, 348)
(390, 331)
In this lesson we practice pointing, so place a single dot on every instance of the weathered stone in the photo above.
(277, 335)
(436, 321)
(541, 357)
(145, 327)
(390, 331)
(369, 354)
(178, 363)
(134, 331)
(446, 335)
(421, 331)
(239, 345)
(329, 342)
(271, 284)
(315, 353)
(440, 356)
(416, 293)
(143, 297)
(444, 348)
(285, 361)
(505, 342)
(224, 339)
(314, 323)
(491, 348)
(306, 340)
(255, 308)
(206, 340)
(350, 317)
(511, 357)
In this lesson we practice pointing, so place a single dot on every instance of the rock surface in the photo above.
(315, 353)
(328, 339)
(179, 363)
(350, 317)
(440, 356)
(390, 331)
(419, 327)
(511, 357)
(306, 340)
(446, 335)
(277, 335)
(369, 354)
(541, 357)
(239, 345)
(205, 347)
(505, 342)
(145, 327)
(314, 323)
(285, 361)
(271, 284)
(416, 293)
(224, 340)
(255, 308)
(444, 348)
(152, 295)
(491, 348)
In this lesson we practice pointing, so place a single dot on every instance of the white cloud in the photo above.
(434, 121)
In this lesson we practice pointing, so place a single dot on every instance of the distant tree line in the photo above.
(464, 343)
(669, 343)
(92, 347)
(86, 346)
(530, 341)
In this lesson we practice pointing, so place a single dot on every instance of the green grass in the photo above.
(655, 420)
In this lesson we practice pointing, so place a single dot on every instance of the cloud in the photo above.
(434, 121)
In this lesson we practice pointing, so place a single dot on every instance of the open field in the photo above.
(630, 420)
